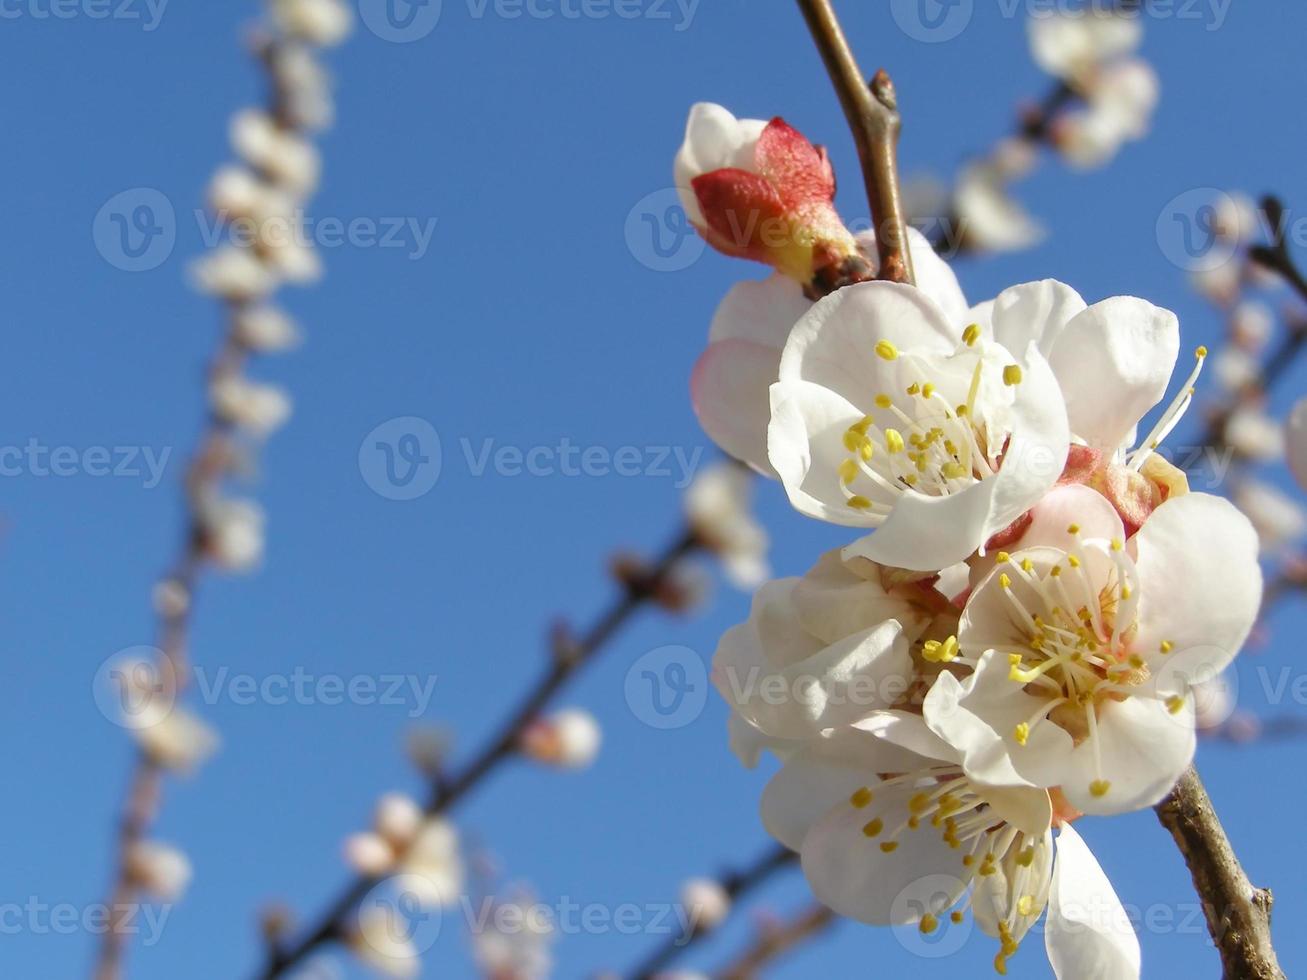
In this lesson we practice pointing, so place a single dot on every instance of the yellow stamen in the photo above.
(1012, 375)
(1099, 788)
(861, 798)
(971, 335)
(887, 351)
(873, 828)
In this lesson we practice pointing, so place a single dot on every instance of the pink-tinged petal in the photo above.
(1200, 587)
(1114, 362)
(743, 213)
(800, 172)
(1296, 442)
(1066, 507)
(763, 311)
(805, 443)
(834, 345)
(1035, 313)
(729, 389)
(1088, 933)
(1140, 751)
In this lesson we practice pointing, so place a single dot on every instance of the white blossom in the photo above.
(266, 329)
(159, 869)
(718, 506)
(173, 737)
(706, 902)
(259, 408)
(1255, 435)
(569, 739)
(306, 85)
(368, 854)
(233, 532)
(434, 863)
(1237, 218)
(235, 192)
(714, 140)
(1072, 44)
(989, 218)
(283, 156)
(398, 819)
(383, 943)
(1278, 518)
(1084, 648)
(1252, 324)
(514, 943)
(1235, 368)
(321, 22)
(233, 273)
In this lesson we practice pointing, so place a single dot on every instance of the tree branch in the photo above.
(775, 941)
(873, 115)
(568, 656)
(1238, 913)
(736, 884)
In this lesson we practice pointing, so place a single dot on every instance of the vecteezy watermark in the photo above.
(405, 21)
(36, 459)
(938, 21)
(35, 917)
(147, 13)
(659, 234)
(403, 458)
(136, 230)
(667, 687)
(1196, 232)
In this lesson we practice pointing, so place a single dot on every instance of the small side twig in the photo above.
(776, 941)
(873, 115)
(1238, 913)
(736, 884)
(568, 656)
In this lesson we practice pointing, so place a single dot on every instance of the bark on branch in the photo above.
(872, 111)
(1238, 913)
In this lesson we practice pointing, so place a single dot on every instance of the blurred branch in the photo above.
(736, 884)
(569, 655)
(873, 115)
(775, 941)
(1238, 913)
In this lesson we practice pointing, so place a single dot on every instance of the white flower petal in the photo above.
(1088, 933)
(1114, 362)
(1035, 312)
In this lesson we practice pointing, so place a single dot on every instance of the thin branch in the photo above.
(873, 115)
(736, 884)
(568, 657)
(1238, 913)
(776, 941)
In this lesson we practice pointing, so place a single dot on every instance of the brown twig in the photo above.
(873, 115)
(775, 941)
(736, 884)
(568, 657)
(1238, 913)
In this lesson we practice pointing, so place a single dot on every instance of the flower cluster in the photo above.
(1011, 639)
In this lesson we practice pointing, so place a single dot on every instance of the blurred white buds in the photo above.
(368, 854)
(515, 942)
(403, 840)
(258, 408)
(233, 273)
(171, 598)
(1279, 519)
(160, 870)
(1072, 45)
(398, 819)
(283, 156)
(427, 747)
(233, 532)
(1251, 324)
(1254, 435)
(383, 943)
(306, 87)
(174, 738)
(569, 739)
(266, 329)
(705, 902)
(989, 219)
(718, 505)
(1236, 370)
(321, 22)
(435, 863)
(1236, 218)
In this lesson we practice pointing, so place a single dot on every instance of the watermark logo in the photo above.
(667, 688)
(401, 459)
(136, 230)
(659, 233)
(401, 916)
(148, 13)
(930, 895)
(131, 691)
(932, 21)
(401, 21)
(1189, 230)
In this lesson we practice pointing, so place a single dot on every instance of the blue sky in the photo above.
(529, 319)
